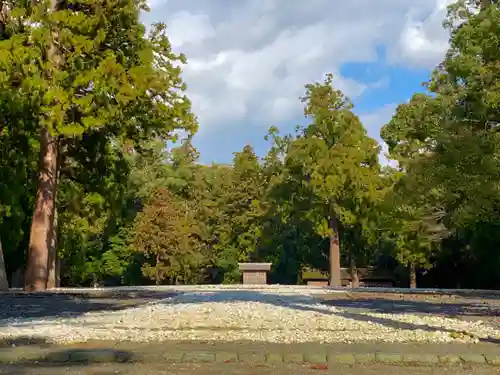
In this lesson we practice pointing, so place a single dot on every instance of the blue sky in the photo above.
(248, 60)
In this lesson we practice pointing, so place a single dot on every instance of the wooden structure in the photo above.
(255, 273)
(368, 277)
(315, 278)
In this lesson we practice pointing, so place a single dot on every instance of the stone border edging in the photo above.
(269, 287)
(23, 355)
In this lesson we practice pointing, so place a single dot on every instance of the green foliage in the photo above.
(338, 162)
(104, 74)
(334, 162)
(468, 148)
(448, 145)
(135, 207)
(17, 159)
(163, 233)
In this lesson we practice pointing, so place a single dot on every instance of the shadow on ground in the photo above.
(20, 354)
(387, 306)
(60, 304)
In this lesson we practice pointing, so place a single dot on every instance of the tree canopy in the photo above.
(98, 187)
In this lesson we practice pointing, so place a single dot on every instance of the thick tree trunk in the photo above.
(413, 276)
(4, 284)
(354, 271)
(43, 216)
(335, 279)
(52, 264)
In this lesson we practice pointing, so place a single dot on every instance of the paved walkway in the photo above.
(239, 369)
(263, 347)
(253, 353)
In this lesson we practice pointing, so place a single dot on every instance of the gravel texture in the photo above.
(272, 314)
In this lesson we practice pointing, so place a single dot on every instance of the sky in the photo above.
(248, 60)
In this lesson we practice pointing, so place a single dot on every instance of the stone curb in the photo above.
(47, 355)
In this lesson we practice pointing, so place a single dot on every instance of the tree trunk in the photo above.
(52, 264)
(43, 216)
(58, 272)
(4, 284)
(17, 278)
(413, 276)
(335, 279)
(157, 270)
(354, 271)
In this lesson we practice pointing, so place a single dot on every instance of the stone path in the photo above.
(251, 352)
(238, 369)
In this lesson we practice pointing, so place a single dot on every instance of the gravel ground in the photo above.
(277, 314)
(477, 306)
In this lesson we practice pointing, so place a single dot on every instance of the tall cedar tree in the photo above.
(467, 149)
(339, 163)
(163, 233)
(447, 145)
(85, 67)
(414, 213)
(245, 205)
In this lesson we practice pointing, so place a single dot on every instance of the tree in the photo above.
(209, 193)
(245, 203)
(412, 132)
(182, 169)
(87, 67)
(163, 233)
(239, 207)
(414, 211)
(414, 224)
(336, 160)
(17, 163)
(468, 146)
(289, 240)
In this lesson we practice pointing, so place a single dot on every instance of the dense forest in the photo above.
(100, 183)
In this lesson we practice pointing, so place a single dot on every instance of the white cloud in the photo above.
(250, 59)
(423, 42)
(156, 3)
(373, 121)
(186, 28)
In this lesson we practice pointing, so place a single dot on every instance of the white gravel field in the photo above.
(278, 314)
